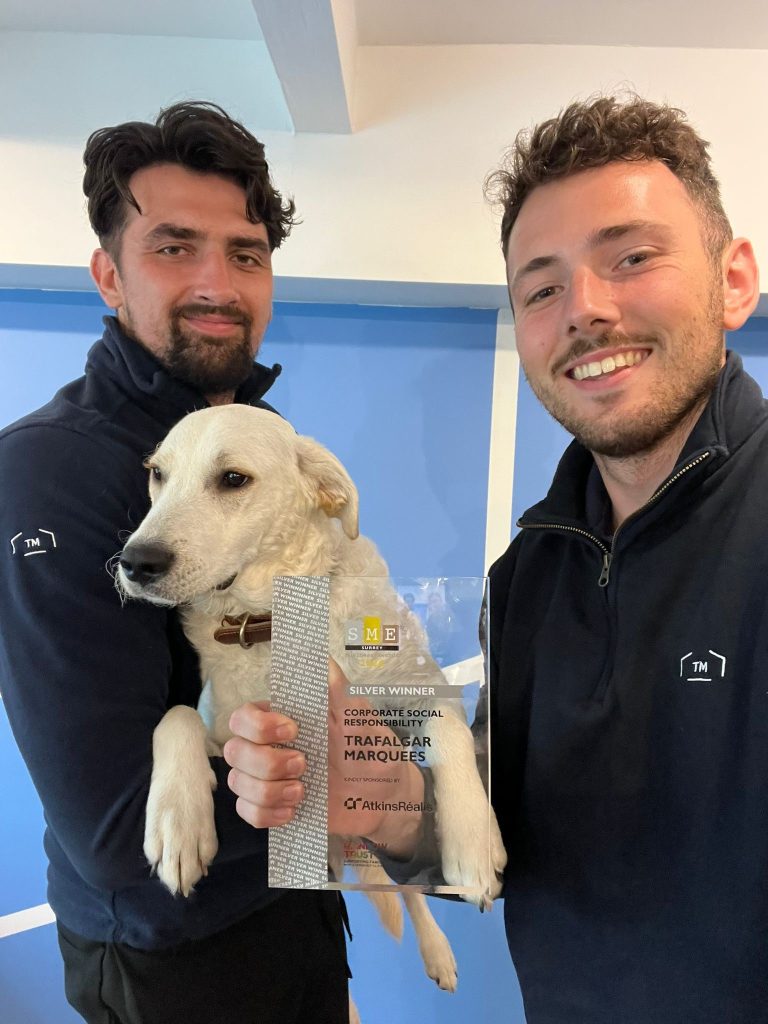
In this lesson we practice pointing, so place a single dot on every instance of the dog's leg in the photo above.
(439, 962)
(354, 1016)
(387, 904)
(180, 835)
(466, 825)
(336, 847)
(435, 949)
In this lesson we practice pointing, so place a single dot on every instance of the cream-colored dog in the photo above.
(237, 499)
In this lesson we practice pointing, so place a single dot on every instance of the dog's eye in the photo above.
(233, 479)
(156, 474)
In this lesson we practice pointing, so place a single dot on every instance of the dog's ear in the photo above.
(330, 486)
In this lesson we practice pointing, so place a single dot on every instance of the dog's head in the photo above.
(234, 487)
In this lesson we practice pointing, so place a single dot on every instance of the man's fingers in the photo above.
(256, 723)
(264, 803)
(261, 817)
(267, 795)
(265, 774)
(264, 763)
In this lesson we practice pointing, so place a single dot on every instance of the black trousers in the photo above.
(285, 964)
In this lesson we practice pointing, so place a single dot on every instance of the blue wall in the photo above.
(403, 396)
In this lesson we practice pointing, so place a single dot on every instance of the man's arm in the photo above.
(85, 679)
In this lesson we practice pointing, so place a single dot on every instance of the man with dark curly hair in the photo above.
(628, 625)
(187, 220)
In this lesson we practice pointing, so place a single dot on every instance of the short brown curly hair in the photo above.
(600, 131)
(197, 135)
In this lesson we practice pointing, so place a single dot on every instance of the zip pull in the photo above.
(606, 573)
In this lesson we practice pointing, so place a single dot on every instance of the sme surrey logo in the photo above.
(370, 634)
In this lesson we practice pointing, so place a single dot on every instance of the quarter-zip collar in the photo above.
(735, 409)
(146, 381)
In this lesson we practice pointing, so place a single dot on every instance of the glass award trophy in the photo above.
(411, 696)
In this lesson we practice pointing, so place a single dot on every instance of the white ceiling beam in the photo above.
(303, 42)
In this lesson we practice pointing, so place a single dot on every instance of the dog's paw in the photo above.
(180, 835)
(465, 855)
(439, 961)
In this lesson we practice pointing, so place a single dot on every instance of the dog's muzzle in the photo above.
(145, 563)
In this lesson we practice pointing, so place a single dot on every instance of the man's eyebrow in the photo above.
(537, 263)
(594, 240)
(249, 242)
(616, 231)
(181, 234)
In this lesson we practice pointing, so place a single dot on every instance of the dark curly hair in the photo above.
(598, 132)
(199, 136)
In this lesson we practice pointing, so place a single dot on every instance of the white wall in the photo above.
(400, 199)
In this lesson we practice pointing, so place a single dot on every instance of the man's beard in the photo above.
(679, 390)
(210, 364)
(646, 428)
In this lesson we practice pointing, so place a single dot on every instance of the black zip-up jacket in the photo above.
(630, 762)
(85, 679)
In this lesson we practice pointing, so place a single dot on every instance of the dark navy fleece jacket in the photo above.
(85, 679)
(630, 762)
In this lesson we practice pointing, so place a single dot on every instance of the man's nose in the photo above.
(591, 306)
(215, 282)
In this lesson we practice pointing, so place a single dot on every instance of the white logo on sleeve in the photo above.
(698, 668)
(35, 544)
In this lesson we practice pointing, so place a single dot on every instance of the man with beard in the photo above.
(629, 617)
(187, 219)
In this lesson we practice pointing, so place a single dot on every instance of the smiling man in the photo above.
(620, 312)
(187, 219)
(628, 617)
(191, 277)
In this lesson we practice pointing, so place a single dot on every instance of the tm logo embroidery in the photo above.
(695, 668)
(39, 544)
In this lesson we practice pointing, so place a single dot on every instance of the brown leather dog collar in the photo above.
(245, 630)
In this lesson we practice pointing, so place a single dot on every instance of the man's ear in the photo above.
(328, 484)
(741, 286)
(107, 278)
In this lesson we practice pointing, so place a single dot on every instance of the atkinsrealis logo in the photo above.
(357, 803)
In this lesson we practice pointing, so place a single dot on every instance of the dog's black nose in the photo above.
(144, 563)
